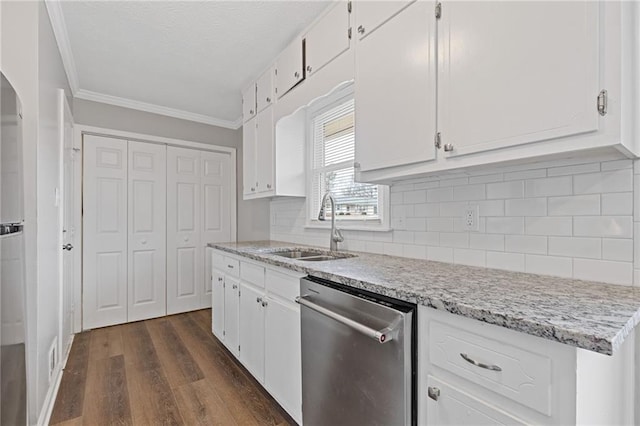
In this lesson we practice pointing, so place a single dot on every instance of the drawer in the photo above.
(218, 261)
(283, 285)
(231, 266)
(517, 373)
(252, 273)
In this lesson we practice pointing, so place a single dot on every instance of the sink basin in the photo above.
(312, 255)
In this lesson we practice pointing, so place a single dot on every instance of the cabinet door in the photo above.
(395, 91)
(264, 90)
(252, 330)
(455, 407)
(370, 15)
(249, 178)
(249, 102)
(184, 251)
(283, 365)
(147, 284)
(231, 312)
(328, 38)
(217, 303)
(512, 73)
(215, 184)
(289, 70)
(265, 158)
(104, 300)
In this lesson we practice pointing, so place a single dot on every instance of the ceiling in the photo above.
(187, 59)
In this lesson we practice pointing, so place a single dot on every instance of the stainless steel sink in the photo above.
(312, 255)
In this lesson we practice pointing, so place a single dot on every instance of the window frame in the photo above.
(382, 223)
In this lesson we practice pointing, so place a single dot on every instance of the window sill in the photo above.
(348, 227)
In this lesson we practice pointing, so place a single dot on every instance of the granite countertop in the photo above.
(585, 314)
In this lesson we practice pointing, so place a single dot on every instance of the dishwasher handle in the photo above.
(383, 335)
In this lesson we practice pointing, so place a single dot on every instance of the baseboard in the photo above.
(52, 393)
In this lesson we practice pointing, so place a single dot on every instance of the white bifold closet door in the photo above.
(198, 212)
(105, 232)
(147, 231)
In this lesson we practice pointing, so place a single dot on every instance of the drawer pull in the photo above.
(480, 364)
(230, 266)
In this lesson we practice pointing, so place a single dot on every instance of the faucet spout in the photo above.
(336, 236)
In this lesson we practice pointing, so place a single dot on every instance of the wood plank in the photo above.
(105, 343)
(228, 379)
(70, 400)
(201, 405)
(176, 361)
(152, 401)
(108, 393)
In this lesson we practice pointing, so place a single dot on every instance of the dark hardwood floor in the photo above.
(165, 371)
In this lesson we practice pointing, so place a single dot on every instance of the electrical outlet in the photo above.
(471, 218)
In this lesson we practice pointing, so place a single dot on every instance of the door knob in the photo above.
(67, 247)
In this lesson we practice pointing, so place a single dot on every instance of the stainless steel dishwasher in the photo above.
(358, 356)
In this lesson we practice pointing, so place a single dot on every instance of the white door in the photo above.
(283, 364)
(289, 71)
(68, 225)
(215, 184)
(147, 230)
(231, 314)
(512, 73)
(265, 159)
(370, 15)
(252, 330)
(395, 115)
(328, 38)
(104, 232)
(184, 251)
(249, 102)
(249, 178)
(264, 89)
(450, 406)
(217, 315)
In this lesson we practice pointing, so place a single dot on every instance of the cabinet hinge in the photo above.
(224, 332)
(238, 348)
(602, 102)
(437, 140)
(349, 6)
(349, 33)
(438, 10)
(276, 71)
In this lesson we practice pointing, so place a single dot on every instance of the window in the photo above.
(333, 154)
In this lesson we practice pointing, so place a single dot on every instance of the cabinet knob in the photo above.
(186, 239)
(448, 147)
(309, 68)
(219, 279)
(143, 242)
(251, 111)
(433, 392)
(296, 74)
(268, 186)
(264, 303)
(253, 189)
(360, 29)
(258, 300)
(235, 286)
(268, 99)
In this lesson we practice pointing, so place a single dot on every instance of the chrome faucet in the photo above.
(336, 235)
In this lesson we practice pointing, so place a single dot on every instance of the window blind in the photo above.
(333, 157)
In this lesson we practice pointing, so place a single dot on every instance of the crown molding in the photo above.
(54, 10)
(156, 109)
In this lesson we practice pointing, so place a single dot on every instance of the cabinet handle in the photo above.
(230, 266)
(219, 279)
(268, 186)
(268, 99)
(448, 147)
(253, 189)
(258, 300)
(264, 303)
(360, 29)
(296, 74)
(235, 286)
(480, 364)
(308, 68)
(433, 392)
(251, 111)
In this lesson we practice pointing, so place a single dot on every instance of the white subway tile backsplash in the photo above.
(440, 224)
(427, 210)
(526, 174)
(454, 182)
(574, 205)
(393, 249)
(415, 224)
(572, 170)
(526, 244)
(617, 165)
(415, 251)
(507, 261)
(504, 190)
(440, 254)
(498, 177)
(526, 207)
(603, 226)
(415, 197)
(617, 249)
(603, 270)
(469, 257)
(491, 208)
(505, 225)
(620, 203)
(427, 238)
(548, 225)
(486, 241)
(439, 195)
(469, 192)
(405, 237)
(454, 239)
(549, 265)
(453, 209)
(549, 186)
(576, 247)
(614, 181)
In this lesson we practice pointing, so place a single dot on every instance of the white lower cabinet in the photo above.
(257, 319)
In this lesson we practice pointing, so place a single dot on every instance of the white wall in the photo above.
(548, 218)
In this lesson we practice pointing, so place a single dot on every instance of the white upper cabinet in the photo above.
(372, 14)
(249, 178)
(395, 89)
(328, 38)
(264, 89)
(249, 107)
(265, 161)
(289, 67)
(511, 73)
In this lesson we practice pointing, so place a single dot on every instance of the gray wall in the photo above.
(253, 216)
